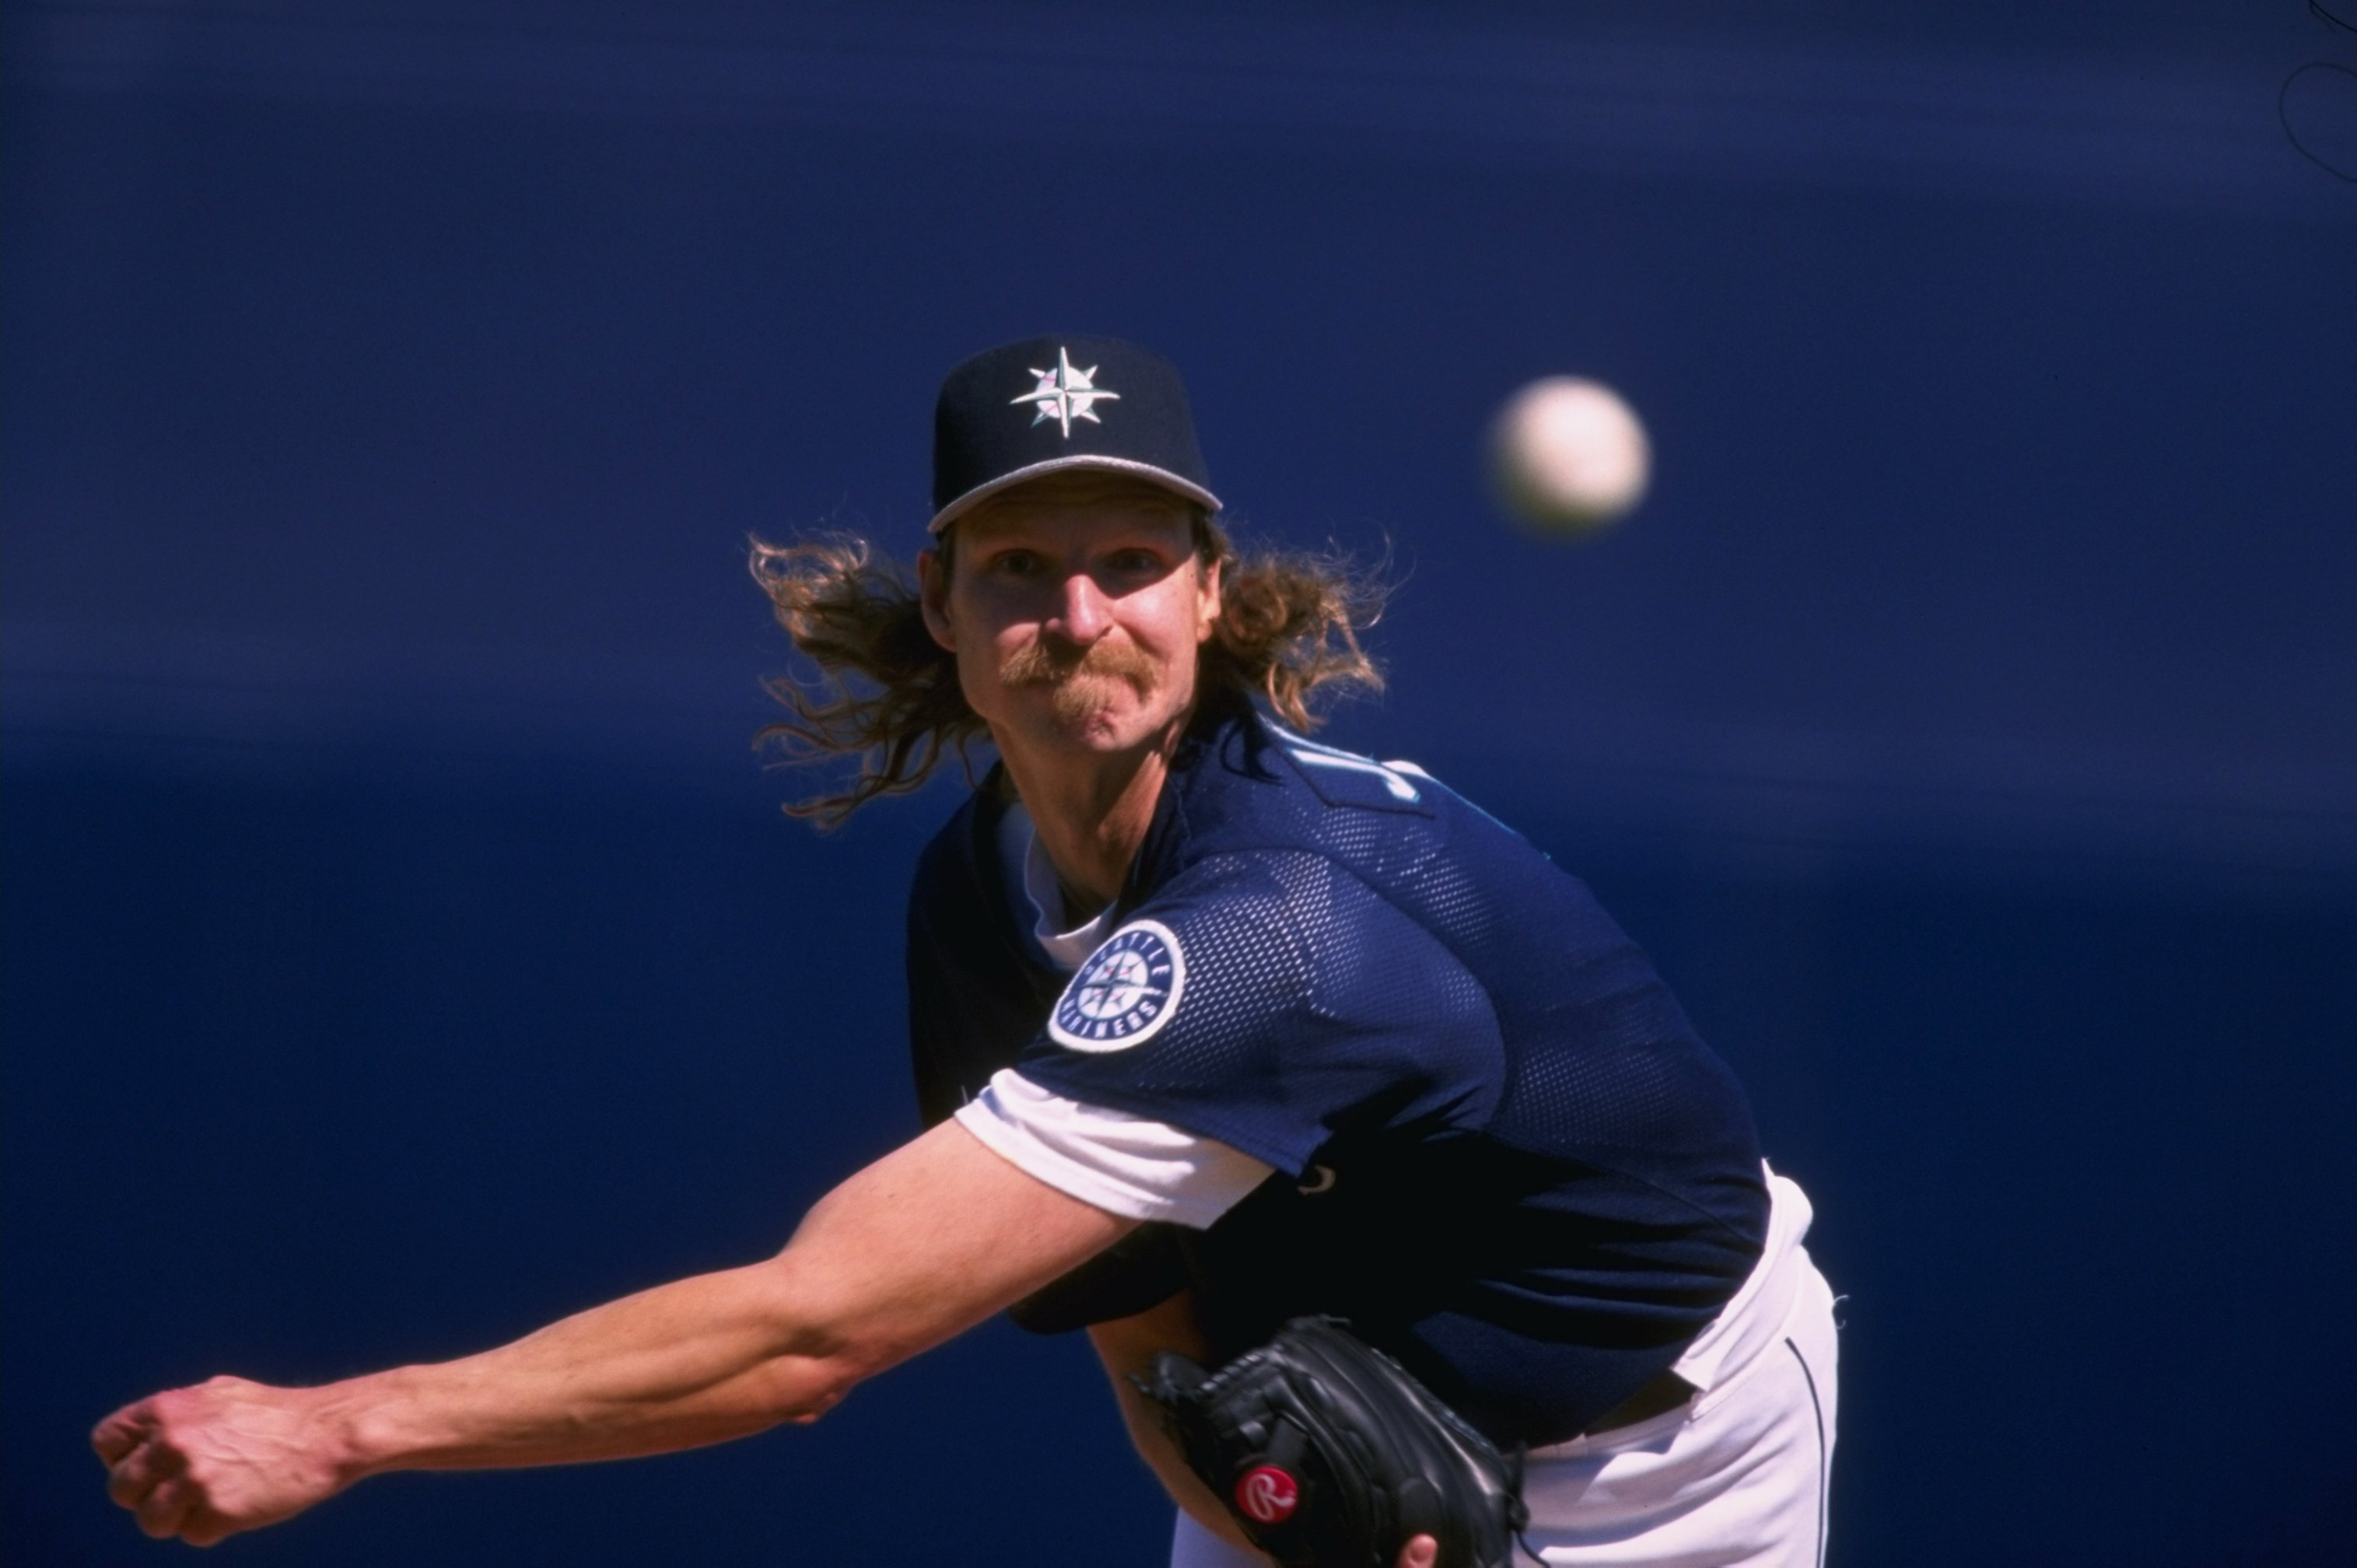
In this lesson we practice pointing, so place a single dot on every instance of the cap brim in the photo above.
(1079, 460)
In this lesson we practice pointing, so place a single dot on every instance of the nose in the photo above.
(1083, 613)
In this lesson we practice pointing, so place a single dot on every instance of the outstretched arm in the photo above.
(914, 1250)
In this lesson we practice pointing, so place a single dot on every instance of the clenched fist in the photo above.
(204, 1463)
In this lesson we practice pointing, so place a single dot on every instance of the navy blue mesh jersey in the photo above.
(1502, 1153)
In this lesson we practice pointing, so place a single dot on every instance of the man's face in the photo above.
(1076, 607)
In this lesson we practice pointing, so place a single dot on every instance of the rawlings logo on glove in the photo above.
(1330, 1455)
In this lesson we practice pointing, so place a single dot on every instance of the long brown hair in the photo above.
(880, 688)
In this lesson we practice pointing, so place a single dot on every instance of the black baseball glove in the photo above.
(1330, 1455)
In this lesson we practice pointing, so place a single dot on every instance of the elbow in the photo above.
(818, 1356)
(798, 1386)
(808, 1399)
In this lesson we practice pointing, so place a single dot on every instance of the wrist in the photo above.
(357, 1427)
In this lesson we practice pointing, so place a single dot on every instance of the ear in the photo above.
(934, 598)
(1207, 602)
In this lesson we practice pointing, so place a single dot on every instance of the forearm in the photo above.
(1170, 1466)
(1127, 1347)
(920, 1246)
(888, 1264)
(701, 1361)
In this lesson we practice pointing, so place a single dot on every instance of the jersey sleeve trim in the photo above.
(1125, 1165)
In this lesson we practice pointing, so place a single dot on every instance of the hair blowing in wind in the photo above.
(876, 687)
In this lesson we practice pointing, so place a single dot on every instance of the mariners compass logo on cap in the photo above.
(1065, 394)
(984, 441)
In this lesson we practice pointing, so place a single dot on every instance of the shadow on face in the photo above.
(1078, 599)
(1074, 500)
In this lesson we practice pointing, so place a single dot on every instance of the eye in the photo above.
(1137, 560)
(1016, 563)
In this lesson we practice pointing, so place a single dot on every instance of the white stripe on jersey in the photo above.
(1125, 1165)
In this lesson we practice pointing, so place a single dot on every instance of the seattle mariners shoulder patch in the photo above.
(1125, 993)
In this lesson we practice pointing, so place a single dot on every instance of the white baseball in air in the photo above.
(1568, 456)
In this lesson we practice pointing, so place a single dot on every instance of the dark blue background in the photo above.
(402, 947)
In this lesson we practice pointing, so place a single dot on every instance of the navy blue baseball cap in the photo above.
(1047, 405)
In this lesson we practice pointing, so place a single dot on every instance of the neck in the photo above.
(1092, 809)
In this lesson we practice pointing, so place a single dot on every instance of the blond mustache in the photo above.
(1078, 693)
(1035, 665)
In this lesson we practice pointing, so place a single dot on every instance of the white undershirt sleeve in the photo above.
(1125, 1165)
